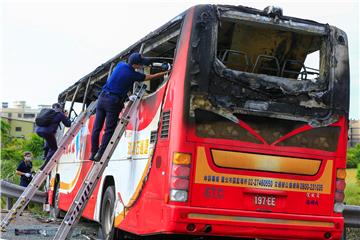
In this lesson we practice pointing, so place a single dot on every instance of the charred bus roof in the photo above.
(95, 79)
(158, 42)
(247, 61)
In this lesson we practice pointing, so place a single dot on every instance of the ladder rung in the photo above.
(94, 175)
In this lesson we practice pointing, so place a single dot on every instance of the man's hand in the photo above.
(132, 97)
(156, 75)
(27, 175)
(66, 113)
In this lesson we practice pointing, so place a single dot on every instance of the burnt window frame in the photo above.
(304, 28)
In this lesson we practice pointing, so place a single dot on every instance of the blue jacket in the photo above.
(122, 79)
(59, 117)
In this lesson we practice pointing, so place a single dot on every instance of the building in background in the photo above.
(20, 117)
(20, 128)
(19, 110)
(354, 133)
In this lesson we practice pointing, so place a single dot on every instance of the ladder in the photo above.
(44, 171)
(93, 176)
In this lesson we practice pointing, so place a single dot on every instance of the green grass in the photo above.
(8, 168)
(352, 190)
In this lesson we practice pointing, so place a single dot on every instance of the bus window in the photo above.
(266, 50)
(161, 49)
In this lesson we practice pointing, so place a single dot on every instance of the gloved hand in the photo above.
(132, 97)
(165, 66)
(28, 175)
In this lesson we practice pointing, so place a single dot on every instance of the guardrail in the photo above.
(10, 191)
(351, 215)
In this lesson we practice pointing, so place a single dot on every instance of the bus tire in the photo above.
(56, 212)
(107, 216)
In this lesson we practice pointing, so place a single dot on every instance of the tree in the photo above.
(353, 156)
(35, 145)
(12, 150)
(5, 133)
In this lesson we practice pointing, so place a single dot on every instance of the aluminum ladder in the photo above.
(42, 174)
(93, 176)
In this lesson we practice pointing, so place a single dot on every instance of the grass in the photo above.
(352, 190)
(8, 169)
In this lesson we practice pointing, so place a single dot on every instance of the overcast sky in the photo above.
(48, 45)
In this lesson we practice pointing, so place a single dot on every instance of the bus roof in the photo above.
(100, 73)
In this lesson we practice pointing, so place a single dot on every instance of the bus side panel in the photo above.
(147, 215)
(131, 160)
(72, 169)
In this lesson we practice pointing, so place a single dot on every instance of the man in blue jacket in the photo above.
(48, 132)
(112, 97)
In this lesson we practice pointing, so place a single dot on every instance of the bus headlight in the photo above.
(178, 195)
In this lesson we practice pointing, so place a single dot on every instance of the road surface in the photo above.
(43, 228)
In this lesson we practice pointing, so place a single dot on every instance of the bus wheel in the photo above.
(107, 213)
(55, 210)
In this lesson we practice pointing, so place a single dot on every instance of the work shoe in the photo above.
(98, 156)
(92, 156)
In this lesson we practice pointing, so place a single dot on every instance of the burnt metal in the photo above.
(99, 75)
(317, 103)
(86, 93)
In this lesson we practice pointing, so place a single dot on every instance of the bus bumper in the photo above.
(221, 222)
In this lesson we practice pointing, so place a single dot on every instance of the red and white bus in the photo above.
(245, 138)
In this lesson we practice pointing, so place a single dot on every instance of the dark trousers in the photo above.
(24, 183)
(46, 150)
(51, 144)
(108, 109)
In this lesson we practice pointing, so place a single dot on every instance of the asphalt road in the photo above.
(45, 228)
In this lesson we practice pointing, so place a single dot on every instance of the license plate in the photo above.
(265, 200)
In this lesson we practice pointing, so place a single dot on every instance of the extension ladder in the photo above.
(42, 174)
(93, 176)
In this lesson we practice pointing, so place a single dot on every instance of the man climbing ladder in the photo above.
(42, 174)
(93, 176)
(111, 99)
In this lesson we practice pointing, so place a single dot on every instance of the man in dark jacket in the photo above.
(24, 170)
(48, 132)
(111, 99)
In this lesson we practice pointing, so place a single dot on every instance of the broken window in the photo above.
(160, 45)
(161, 50)
(262, 49)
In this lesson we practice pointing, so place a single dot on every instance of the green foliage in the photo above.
(352, 190)
(12, 150)
(8, 168)
(35, 145)
(353, 157)
(358, 172)
(5, 133)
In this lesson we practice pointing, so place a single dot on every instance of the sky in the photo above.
(47, 45)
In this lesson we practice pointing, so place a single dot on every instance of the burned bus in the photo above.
(246, 137)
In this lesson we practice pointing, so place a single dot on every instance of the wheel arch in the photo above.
(56, 182)
(108, 181)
